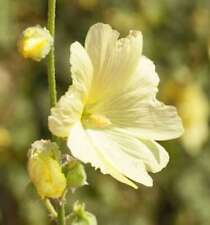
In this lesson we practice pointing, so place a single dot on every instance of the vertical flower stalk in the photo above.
(51, 56)
(61, 214)
(52, 82)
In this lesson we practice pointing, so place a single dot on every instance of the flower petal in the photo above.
(131, 155)
(146, 120)
(154, 121)
(141, 88)
(116, 148)
(67, 111)
(99, 44)
(114, 60)
(81, 68)
(137, 111)
(82, 147)
(144, 82)
(160, 156)
(69, 108)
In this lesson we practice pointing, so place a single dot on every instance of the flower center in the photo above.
(95, 121)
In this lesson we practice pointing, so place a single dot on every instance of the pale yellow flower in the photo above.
(110, 114)
(35, 43)
(44, 169)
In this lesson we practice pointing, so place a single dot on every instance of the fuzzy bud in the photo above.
(44, 169)
(75, 174)
(35, 43)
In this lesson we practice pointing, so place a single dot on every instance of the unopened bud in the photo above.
(75, 174)
(44, 169)
(35, 43)
(82, 217)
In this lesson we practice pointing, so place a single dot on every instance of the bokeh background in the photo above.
(177, 38)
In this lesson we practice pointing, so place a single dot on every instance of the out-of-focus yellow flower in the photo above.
(200, 21)
(35, 43)
(44, 169)
(87, 4)
(192, 105)
(5, 138)
(110, 114)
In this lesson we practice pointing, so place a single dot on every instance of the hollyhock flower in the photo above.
(110, 115)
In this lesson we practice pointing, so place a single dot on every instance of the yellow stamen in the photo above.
(96, 121)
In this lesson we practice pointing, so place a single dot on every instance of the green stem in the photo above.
(52, 84)
(51, 56)
(61, 214)
(51, 209)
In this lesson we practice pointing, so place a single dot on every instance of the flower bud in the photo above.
(82, 217)
(75, 174)
(35, 43)
(44, 169)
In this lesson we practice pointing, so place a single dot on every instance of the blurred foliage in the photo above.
(176, 37)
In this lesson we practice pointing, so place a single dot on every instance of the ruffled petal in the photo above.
(69, 108)
(115, 151)
(144, 82)
(114, 60)
(159, 154)
(84, 148)
(132, 156)
(67, 111)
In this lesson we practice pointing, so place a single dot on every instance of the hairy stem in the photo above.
(52, 85)
(51, 56)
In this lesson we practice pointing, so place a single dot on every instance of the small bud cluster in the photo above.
(53, 177)
(50, 177)
(81, 217)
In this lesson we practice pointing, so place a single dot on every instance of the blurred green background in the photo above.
(177, 38)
